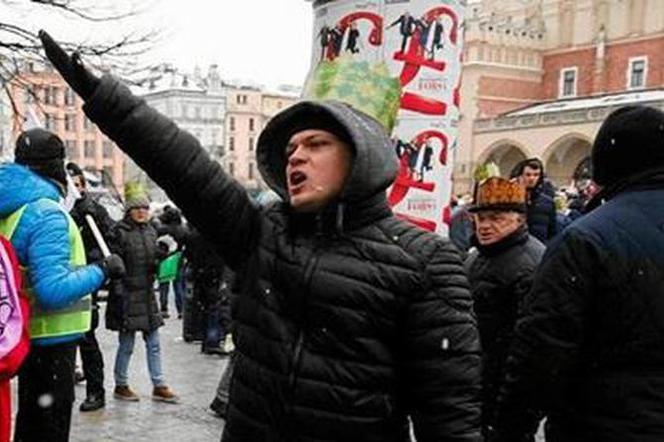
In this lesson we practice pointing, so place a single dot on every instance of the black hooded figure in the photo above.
(349, 322)
(542, 223)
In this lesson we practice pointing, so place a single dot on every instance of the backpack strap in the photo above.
(9, 224)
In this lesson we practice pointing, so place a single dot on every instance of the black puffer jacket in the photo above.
(542, 222)
(500, 277)
(590, 348)
(349, 320)
(132, 305)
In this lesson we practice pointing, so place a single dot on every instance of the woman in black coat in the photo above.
(132, 304)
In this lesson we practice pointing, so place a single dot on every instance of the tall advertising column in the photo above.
(398, 59)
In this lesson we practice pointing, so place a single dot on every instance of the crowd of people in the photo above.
(352, 324)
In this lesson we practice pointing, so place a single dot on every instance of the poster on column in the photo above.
(398, 58)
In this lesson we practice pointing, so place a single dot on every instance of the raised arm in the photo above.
(212, 201)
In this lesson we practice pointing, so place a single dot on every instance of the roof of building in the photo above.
(623, 98)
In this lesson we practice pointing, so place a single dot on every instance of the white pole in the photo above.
(98, 237)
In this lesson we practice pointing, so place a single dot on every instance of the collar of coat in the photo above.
(339, 217)
(518, 237)
(650, 179)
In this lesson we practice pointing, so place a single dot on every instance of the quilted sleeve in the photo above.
(442, 362)
(55, 283)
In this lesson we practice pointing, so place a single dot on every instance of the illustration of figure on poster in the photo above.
(416, 160)
(416, 52)
(348, 35)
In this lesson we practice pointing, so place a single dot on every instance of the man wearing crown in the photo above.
(500, 271)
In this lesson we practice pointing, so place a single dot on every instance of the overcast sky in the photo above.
(264, 40)
(267, 41)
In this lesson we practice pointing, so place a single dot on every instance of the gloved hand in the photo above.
(113, 267)
(71, 68)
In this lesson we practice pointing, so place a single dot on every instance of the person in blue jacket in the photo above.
(50, 250)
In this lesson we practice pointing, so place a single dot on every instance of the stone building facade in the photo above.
(248, 110)
(540, 76)
(197, 104)
(41, 96)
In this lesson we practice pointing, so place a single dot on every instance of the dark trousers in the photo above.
(93, 364)
(179, 286)
(46, 394)
(223, 389)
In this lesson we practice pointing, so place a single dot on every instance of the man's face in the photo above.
(79, 183)
(140, 215)
(318, 166)
(530, 177)
(493, 225)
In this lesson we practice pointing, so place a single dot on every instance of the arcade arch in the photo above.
(506, 155)
(567, 157)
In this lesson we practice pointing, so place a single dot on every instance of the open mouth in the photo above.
(296, 178)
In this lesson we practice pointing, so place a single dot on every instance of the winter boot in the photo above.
(124, 393)
(92, 403)
(164, 394)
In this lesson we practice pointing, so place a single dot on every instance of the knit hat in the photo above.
(42, 152)
(137, 202)
(74, 169)
(629, 142)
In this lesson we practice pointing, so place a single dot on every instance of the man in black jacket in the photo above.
(349, 321)
(91, 356)
(589, 348)
(501, 272)
(541, 207)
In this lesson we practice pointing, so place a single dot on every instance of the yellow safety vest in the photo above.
(73, 319)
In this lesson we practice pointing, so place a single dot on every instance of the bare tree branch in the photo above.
(71, 8)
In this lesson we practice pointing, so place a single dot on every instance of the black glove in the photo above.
(113, 267)
(71, 68)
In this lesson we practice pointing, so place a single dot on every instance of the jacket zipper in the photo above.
(299, 342)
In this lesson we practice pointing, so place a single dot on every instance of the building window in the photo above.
(231, 144)
(231, 169)
(30, 93)
(638, 71)
(231, 123)
(71, 148)
(251, 171)
(251, 144)
(50, 95)
(568, 78)
(89, 148)
(241, 99)
(70, 122)
(87, 124)
(49, 122)
(251, 124)
(107, 147)
(197, 112)
(70, 97)
(185, 111)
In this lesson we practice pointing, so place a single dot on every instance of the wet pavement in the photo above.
(192, 375)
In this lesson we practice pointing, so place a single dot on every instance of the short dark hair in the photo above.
(532, 164)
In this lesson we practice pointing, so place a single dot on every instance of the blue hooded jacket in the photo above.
(41, 240)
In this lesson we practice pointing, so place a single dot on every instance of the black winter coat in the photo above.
(86, 205)
(501, 275)
(132, 305)
(349, 320)
(590, 348)
(542, 222)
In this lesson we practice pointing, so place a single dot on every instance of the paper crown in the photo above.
(367, 87)
(134, 189)
(500, 194)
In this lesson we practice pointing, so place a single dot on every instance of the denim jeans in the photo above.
(152, 351)
(179, 287)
